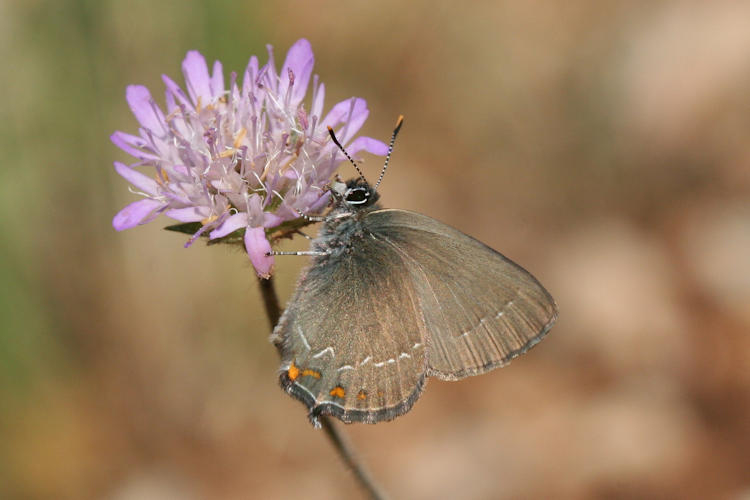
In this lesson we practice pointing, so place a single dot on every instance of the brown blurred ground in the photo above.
(602, 145)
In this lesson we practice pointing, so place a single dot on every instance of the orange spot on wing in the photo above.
(293, 372)
(312, 373)
(362, 395)
(338, 392)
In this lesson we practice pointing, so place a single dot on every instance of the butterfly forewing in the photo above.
(358, 351)
(481, 310)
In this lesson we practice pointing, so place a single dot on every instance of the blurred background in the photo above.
(602, 145)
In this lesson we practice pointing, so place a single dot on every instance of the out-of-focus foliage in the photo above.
(603, 145)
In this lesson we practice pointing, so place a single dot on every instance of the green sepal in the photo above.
(284, 230)
(187, 227)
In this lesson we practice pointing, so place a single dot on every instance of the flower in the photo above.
(244, 158)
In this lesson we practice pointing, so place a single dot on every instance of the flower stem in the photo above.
(270, 300)
(347, 454)
(341, 445)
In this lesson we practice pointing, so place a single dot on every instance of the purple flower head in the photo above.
(243, 158)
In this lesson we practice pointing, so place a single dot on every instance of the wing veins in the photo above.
(429, 285)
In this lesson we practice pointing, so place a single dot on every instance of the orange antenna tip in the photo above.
(399, 122)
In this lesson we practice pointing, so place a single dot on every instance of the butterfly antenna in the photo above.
(336, 142)
(399, 122)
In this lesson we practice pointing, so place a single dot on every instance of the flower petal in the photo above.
(368, 144)
(317, 105)
(189, 214)
(145, 109)
(255, 209)
(337, 113)
(319, 205)
(217, 80)
(271, 220)
(131, 144)
(268, 71)
(248, 79)
(196, 77)
(353, 112)
(137, 179)
(312, 202)
(257, 247)
(171, 104)
(300, 60)
(176, 91)
(135, 213)
(230, 225)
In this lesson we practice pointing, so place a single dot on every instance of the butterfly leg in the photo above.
(308, 218)
(312, 253)
(303, 234)
(311, 218)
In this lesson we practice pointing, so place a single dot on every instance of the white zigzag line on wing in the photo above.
(380, 364)
(327, 349)
(484, 320)
(302, 336)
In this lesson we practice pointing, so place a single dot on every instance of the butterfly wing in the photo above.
(480, 308)
(353, 336)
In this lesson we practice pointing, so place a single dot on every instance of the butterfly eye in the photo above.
(357, 196)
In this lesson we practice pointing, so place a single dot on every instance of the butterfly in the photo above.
(392, 297)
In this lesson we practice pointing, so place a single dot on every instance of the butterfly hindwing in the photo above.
(480, 308)
(356, 351)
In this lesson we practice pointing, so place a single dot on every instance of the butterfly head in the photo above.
(355, 194)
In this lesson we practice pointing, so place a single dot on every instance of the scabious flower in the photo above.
(244, 158)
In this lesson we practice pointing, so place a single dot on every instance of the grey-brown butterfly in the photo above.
(392, 297)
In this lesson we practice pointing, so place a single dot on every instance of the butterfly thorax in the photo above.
(344, 225)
